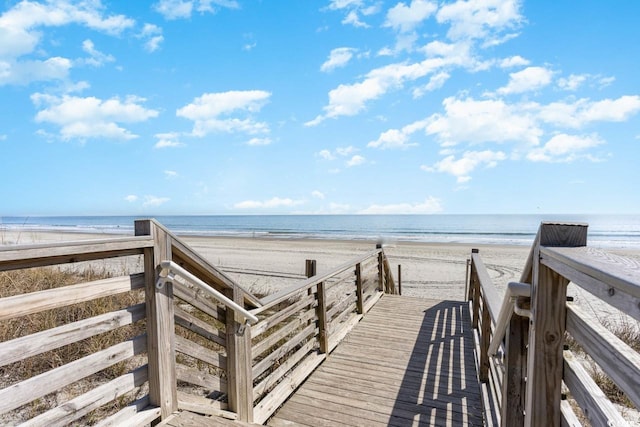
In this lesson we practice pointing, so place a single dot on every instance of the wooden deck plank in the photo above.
(408, 362)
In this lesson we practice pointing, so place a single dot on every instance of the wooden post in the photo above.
(474, 291)
(161, 349)
(547, 328)
(359, 296)
(485, 339)
(321, 314)
(399, 279)
(513, 389)
(310, 271)
(239, 358)
(380, 269)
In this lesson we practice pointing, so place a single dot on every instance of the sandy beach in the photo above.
(261, 265)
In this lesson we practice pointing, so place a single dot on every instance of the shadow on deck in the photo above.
(410, 361)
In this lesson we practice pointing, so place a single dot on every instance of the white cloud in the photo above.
(206, 111)
(406, 18)
(21, 33)
(583, 111)
(90, 117)
(96, 58)
(354, 9)
(152, 34)
(435, 82)
(470, 160)
(259, 141)
(480, 19)
(476, 122)
(529, 79)
(514, 61)
(338, 57)
(154, 201)
(606, 81)
(429, 206)
(573, 82)
(349, 100)
(393, 139)
(169, 174)
(25, 72)
(166, 140)
(326, 154)
(275, 202)
(131, 198)
(356, 160)
(565, 148)
(346, 151)
(318, 194)
(182, 9)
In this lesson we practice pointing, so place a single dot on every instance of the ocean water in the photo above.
(606, 231)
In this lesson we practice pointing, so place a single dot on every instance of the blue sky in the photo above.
(319, 107)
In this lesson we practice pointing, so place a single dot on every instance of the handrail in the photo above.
(280, 296)
(167, 274)
(509, 306)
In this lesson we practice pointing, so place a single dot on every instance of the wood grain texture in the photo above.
(421, 372)
(34, 302)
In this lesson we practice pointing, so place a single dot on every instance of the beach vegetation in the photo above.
(31, 280)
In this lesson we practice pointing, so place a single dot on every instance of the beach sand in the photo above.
(263, 266)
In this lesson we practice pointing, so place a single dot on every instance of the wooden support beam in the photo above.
(546, 333)
(513, 388)
(359, 296)
(161, 348)
(474, 291)
(399, 279)
(485, 339)
(321, 310)
(239, 358)
(381, 287)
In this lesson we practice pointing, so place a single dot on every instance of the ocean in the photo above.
(605, 231)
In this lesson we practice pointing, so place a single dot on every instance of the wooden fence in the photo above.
(524, 365)
(185, 349)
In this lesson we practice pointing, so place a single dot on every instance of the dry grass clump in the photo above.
(38, 279)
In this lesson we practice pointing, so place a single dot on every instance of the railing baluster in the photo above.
(321, 310)
(359, 296)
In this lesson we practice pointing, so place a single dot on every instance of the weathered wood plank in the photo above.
(28, 256)
(429, 379)
(569, 418)
(50, 339)
(261, 388)
(283, 390)
(280, 296)
(200, 327)
(202, 405)
(78, 407)
(546, 333)
(359, 297)
(338, 334)
(239, 375)
(268, 361)
(200, 378)
(199, 352)
(34, 302)
(619, 361)
(321, 315)
(284, 331)
(277, 317)
(595, 405)
(199, 301)
(30, 389)
(138, 413)
(622, 292)
(160, 320)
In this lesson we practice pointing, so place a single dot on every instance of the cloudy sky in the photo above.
(324, 106)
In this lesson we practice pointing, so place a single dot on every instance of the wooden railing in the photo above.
(299, 326)
(532, 371)
(191, 348)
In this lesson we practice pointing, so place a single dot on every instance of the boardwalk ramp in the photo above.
(410, 361)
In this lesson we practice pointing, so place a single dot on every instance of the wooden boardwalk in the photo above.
(410, 361)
